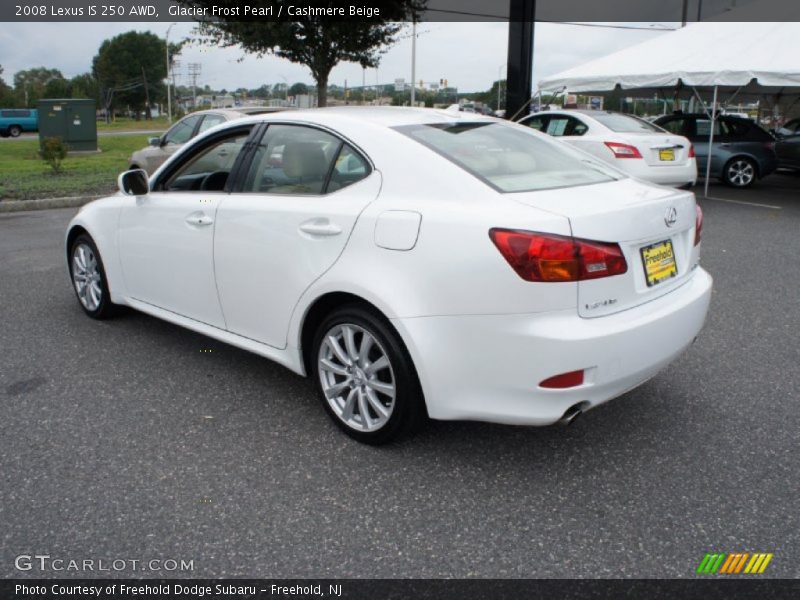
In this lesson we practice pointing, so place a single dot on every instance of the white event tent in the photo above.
(720, 61)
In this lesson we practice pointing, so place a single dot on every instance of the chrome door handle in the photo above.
(199, 219)
(321, 227)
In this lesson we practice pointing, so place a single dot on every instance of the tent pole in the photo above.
(711, 140)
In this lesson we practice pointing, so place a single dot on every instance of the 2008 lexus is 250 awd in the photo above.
(411, 261)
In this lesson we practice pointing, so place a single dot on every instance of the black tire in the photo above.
(740, 172)
(408, 410)
(14, 131)
(105, 308)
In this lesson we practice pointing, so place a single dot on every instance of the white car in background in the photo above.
(641, 149)
(162, 147)
(410, 261)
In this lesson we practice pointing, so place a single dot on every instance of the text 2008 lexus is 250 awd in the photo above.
(411, 261)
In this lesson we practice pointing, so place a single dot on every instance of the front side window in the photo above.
(209, 168)
(182, 131)
(536, 123)
(508, 158)
(299, 160)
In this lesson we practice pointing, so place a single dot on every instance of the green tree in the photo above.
(7, 99)
(298, 89)
(32, 84)
(130, 69)
(84, 86)
(319, 43)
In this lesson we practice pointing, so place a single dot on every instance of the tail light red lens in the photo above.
(691, 151)
(698, 224)
(623, 150)
(565, 380)
(545, 257)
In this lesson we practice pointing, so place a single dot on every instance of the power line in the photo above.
(500, 18)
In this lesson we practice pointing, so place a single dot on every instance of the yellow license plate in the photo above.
(666, 154)
(659, 262)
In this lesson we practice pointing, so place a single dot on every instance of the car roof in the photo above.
(386, 116)
(582, 111)
(705, 116)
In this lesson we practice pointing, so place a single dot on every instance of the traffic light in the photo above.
(441, 82)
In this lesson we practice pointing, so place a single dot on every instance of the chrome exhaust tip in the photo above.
(572, 413)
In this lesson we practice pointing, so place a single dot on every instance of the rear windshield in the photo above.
(625, 123)
(510, 158)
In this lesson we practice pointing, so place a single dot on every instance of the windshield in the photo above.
(625, 123)
(508, 157)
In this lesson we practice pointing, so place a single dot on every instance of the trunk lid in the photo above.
(661, 150)
(636, 216)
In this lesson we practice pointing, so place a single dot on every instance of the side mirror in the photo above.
(134, 183)
(155, 142)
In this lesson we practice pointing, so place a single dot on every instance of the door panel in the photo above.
(166, 242)
(270, 247)
(166, 238)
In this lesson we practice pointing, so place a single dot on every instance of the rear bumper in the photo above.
(488, 367)
(673, 176)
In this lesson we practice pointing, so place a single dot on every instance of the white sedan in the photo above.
(411, 261)
(633, 145)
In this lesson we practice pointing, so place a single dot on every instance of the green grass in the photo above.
(24, 176)
(157, 124)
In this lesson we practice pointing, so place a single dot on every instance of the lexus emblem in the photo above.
(671, 217)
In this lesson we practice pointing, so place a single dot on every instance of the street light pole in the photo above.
(169, 96)
(499, 75)
(413, 63)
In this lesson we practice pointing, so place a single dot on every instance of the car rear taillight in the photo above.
(623, 150)
(548, 257)
(565, 380)
(691, 151)
(698, 224)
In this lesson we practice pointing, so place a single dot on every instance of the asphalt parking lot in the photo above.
(135, 439)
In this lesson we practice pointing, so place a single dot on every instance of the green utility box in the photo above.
(74, 121)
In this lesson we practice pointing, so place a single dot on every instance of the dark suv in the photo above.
(743, 151)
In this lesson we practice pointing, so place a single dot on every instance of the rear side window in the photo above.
(300, 160)
(561, 125)
(509, 158)
(625, 123)
(210, 121)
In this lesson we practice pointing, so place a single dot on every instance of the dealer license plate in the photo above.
(659, 262)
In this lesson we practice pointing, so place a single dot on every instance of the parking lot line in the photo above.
(758, 204)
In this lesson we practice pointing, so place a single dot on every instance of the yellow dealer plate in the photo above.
(659, 262)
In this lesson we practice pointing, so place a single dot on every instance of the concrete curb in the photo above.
(45, 203)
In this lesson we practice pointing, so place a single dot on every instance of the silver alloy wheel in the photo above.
(741, 173)
(357, 377)
(86, 277)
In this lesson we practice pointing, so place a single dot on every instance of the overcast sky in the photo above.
(469, 55)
